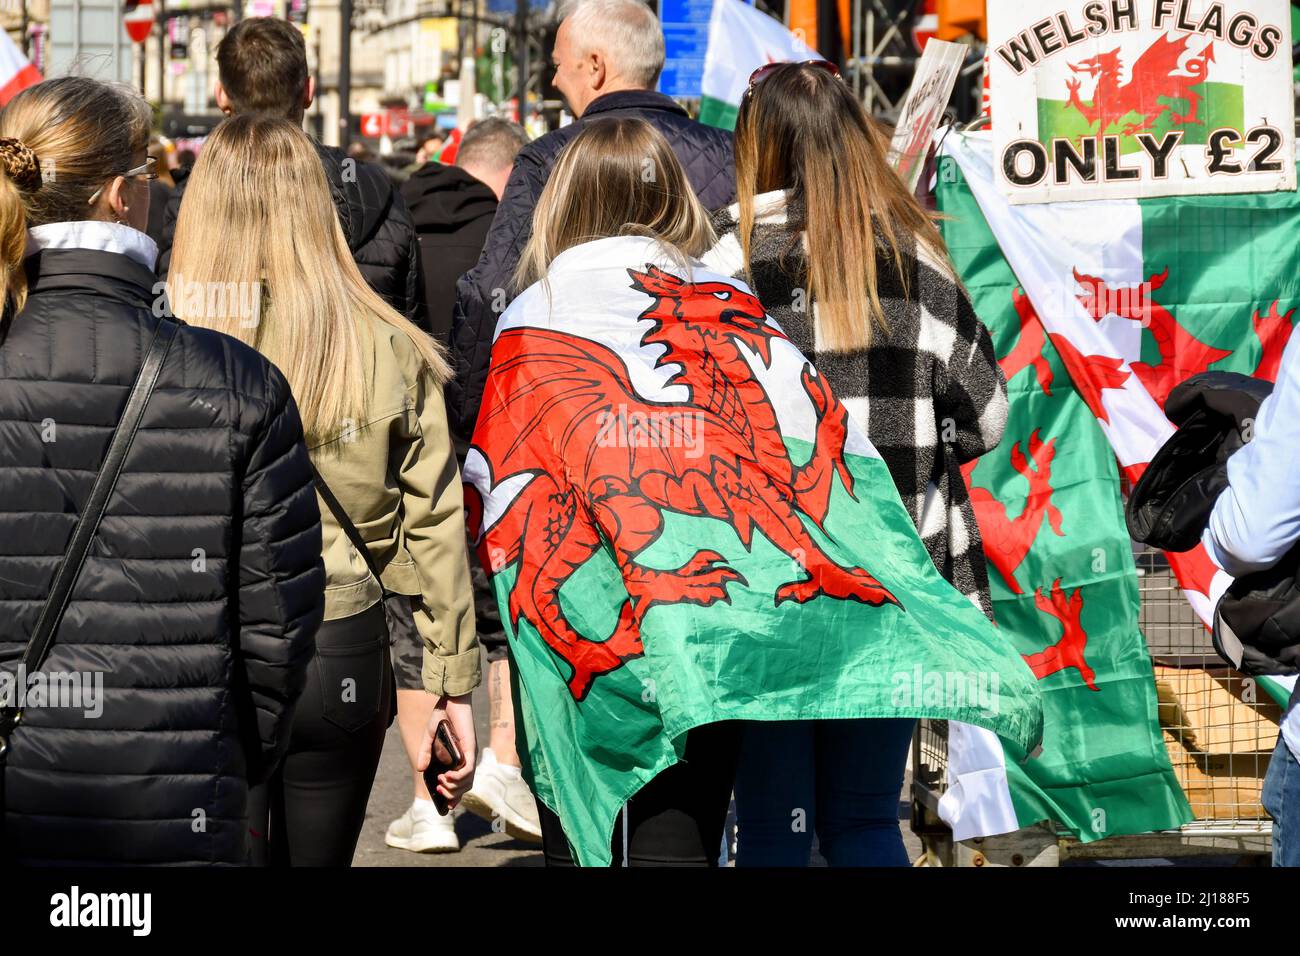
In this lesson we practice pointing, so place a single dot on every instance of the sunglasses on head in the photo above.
(767, 69)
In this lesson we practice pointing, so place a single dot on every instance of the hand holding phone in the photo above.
(447, 755)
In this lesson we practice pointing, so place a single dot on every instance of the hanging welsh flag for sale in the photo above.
(1117, 301)
(1139, 295)
(741, 39)
(684, 526)
(1064, 586)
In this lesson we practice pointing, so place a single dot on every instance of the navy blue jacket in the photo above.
(483, 294)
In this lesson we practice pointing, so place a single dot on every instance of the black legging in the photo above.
(677, 818)
(317, 797)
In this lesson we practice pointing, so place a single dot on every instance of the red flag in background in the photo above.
(16, 71)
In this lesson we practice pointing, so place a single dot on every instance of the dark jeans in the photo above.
(677, 818)
(838, 778)
(311, 811)
(1281, 798)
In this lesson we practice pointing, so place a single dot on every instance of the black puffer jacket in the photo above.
(203, 590)
(452, 212)
(482, 295)
(374, 218)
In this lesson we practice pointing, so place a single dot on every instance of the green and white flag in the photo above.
(741, 39)
(1064, 587)
(684, 526)
(1114, 302)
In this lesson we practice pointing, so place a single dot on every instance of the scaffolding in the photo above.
(883, 55)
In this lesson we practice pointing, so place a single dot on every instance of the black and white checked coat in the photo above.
(929, 391)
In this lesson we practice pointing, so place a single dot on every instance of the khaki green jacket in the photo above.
(395, 474)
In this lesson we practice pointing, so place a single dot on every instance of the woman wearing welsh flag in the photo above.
(856, 272)
(685, 528)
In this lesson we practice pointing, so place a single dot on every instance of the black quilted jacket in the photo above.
(483, 294)
(375, 221)
(203, 590)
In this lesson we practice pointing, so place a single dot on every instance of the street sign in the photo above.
(373, 125)
(398, 122)
(686, 39)
(137, 15)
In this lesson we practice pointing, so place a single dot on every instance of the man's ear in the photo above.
(309, 92)
(223, 101)
(598, 71)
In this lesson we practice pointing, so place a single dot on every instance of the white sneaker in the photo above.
(500, 792)
(422, 830)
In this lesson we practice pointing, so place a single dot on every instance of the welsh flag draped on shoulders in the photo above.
(1097, 309)
(684, 526)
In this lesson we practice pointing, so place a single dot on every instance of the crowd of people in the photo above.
(283, 567)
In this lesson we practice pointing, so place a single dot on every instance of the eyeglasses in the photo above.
(145, 169)
(767, 69)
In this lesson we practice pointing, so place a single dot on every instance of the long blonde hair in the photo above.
(60, 140)
(258, 225)
(802, 130)
(617, 177)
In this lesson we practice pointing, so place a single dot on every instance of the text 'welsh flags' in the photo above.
(741, 39)
(684, 526)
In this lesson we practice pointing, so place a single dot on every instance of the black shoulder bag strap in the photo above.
(349, 529)
(69, 570)
(358, 542)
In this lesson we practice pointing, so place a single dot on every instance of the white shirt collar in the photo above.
(94, 234)
(769, 208)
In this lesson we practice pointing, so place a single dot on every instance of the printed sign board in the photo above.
(1119, 99)
(924, 108)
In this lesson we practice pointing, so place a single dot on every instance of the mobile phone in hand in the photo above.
(447, 755)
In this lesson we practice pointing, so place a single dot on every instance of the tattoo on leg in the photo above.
(494, 697)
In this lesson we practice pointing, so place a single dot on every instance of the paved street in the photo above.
(392, 795)
(480, 846)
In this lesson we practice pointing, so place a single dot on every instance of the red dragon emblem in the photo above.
(1153, 78)
(1068, 652)
(550, 398)
(1273, 330)
(1182, 354)
(1007, 540)
(1028, 350)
